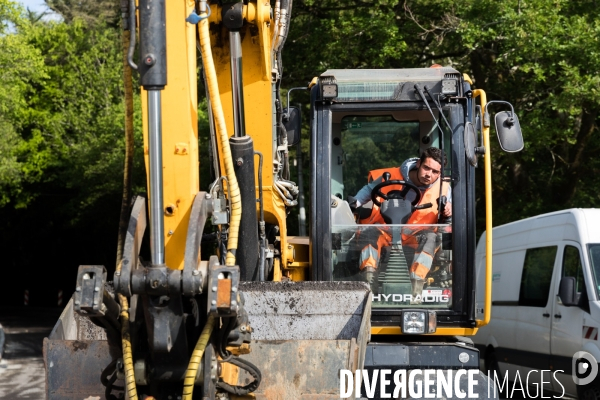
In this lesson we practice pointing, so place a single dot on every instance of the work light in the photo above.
(418, 321)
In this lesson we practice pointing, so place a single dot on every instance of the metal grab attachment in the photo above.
(92, 300)
(223, 294)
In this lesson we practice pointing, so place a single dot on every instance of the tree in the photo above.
(61, 157)
(20, 65)
(541, 56)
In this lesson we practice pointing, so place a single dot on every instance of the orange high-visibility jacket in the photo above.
(430, 195)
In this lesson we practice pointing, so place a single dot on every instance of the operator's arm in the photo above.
(364, 195)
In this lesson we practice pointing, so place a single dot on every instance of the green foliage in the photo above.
(92, 13)
(539, 55)
(68, 114)
(352, 34)
(21, 64)
(62, 114)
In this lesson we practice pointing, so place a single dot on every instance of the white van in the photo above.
(545, 303)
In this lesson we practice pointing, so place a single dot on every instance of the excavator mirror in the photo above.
(292, 121)
(508, 130)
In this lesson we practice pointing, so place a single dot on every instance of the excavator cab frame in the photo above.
(328, 190)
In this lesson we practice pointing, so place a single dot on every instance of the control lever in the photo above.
(352, 203)
(386, 176)
(442, 205)
(422, 206)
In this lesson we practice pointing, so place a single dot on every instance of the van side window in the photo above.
(594, 254)
(572, 266)
(537, 274)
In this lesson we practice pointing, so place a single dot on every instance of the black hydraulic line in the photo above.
(301, 209)
(223, 247)
(281, 132)
(286, 7)
(260, 186)
(108, 377)
(132, 22)
(261, 222)
(242, 153)
(212, 131)
(251, 369)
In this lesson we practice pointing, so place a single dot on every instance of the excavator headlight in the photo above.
(330, 91)
(329, 87)
(450, 86)
(418, 322)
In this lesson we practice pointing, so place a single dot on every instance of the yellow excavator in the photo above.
(270, 315)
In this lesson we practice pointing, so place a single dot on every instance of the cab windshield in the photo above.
(399, 246)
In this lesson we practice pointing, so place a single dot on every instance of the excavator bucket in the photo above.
(304, 333)
(75, 354)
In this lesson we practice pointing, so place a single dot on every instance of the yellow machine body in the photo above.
(181, 168)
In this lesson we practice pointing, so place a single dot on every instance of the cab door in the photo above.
(568, 326)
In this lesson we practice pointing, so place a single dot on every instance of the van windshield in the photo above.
(594, 250)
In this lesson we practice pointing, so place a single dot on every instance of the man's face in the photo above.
(428, 171)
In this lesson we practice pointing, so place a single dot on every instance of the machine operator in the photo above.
(424, 173)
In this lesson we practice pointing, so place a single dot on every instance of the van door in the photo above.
(567, 322)
(534, 316)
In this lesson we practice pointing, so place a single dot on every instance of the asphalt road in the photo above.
(21, 366)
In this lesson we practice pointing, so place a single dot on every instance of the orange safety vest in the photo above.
(424, 216)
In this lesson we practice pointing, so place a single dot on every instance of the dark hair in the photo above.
(435, 154)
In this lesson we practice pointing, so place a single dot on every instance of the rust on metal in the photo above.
(224, 293)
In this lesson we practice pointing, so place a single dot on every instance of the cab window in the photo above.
(408, 263)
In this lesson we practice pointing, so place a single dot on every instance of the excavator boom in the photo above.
(269, 315)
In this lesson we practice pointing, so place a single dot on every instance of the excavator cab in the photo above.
(379, 121)
(418, 263)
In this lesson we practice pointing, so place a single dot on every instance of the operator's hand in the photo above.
(447, 213)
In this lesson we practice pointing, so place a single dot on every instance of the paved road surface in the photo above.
(22, 366)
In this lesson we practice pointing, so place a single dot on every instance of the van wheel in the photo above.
(588, 392)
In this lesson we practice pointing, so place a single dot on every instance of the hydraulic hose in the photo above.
(277, 14)
(127, 353)
(192, 370)
(129, 148)
(127, 172)
(221, 128)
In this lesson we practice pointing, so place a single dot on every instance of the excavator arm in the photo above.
(173, 324)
